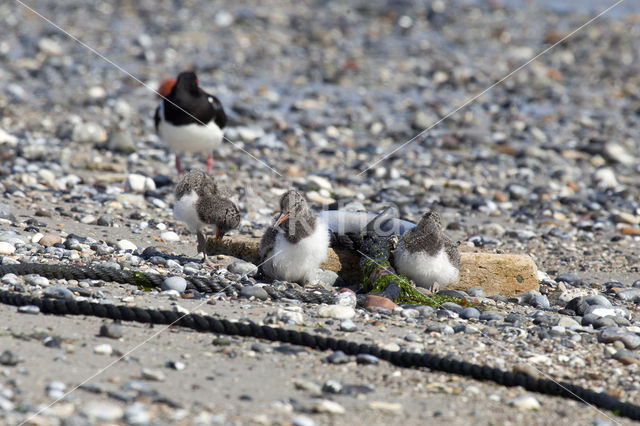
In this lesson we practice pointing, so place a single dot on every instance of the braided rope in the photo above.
(145, 279)
(399, 358)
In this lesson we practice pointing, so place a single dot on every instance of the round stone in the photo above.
(6, 248)
(178, 284)
(101, 411)
(59, 292)
(254, 291)
(338, 357)
(470, 313)
(346, 298)
(170, 236)
(525, 402)
(336, 311)
(49, 240)
(126, 245)
(112, 330)
(137, 414)
(241, 267)
(347, 325)
(104, 349)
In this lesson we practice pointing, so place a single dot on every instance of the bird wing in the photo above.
(218, 211)
(452, 251)
(267, 243)
(220, 117)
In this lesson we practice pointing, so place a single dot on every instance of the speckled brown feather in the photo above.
(198, 181)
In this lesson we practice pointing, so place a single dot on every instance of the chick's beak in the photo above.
(219, 234)
(282, 218)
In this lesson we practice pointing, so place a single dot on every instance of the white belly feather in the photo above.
(299, 262)
(193, 138)
(184, 210)
(424, 270)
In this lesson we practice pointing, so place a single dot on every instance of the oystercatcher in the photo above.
(189, 119)
(199, 202)
(294, 247)
(426, 255)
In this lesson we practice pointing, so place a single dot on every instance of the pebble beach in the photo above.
(359, 105)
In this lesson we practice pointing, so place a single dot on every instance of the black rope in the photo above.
(400, 358)
(145, 279)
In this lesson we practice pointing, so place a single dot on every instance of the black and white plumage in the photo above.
(189, 119)
(294, 247)
(200, 203)
(426, 255)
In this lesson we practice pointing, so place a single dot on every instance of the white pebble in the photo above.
(139, 183)
(170, 236)
(605, 178)
(336, 311)
(6, 248)
(326, 406)
(126, 245)
(177, 284)
(103, 349)
(525, 402)
(346, 298)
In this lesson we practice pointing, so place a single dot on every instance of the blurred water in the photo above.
(591, 7)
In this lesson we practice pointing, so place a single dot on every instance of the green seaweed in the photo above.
(409, 294)
(141, 281)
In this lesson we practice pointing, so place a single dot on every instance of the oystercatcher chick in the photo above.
(294, 247)
(200, 203)
(189, 119)
(427, 256)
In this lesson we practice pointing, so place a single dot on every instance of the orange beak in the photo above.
(218, 235)
(282, 218)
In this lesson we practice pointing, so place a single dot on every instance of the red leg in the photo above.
(178, 167)
(210, 164)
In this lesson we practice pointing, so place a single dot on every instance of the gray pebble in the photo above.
(629, 295)
(254, 291)
(9, 358)
(604, 322)
(477, 292)
(29, 309)
(332, 386)
(59, 292)
(241, 267)
(137, 414)
(578, 305)
(453, 307)
(56, 389)
(34, 279)
(112, 330)
(347, 325)
(11, 279)
(367, 359)
(105, 220)
(470, 313)
(440, 328)
(610, 335)
(568, 277)
(329, 278)
(412, 337)
(338, 357)
(261, 348)
(597, 300)
(491, 316)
